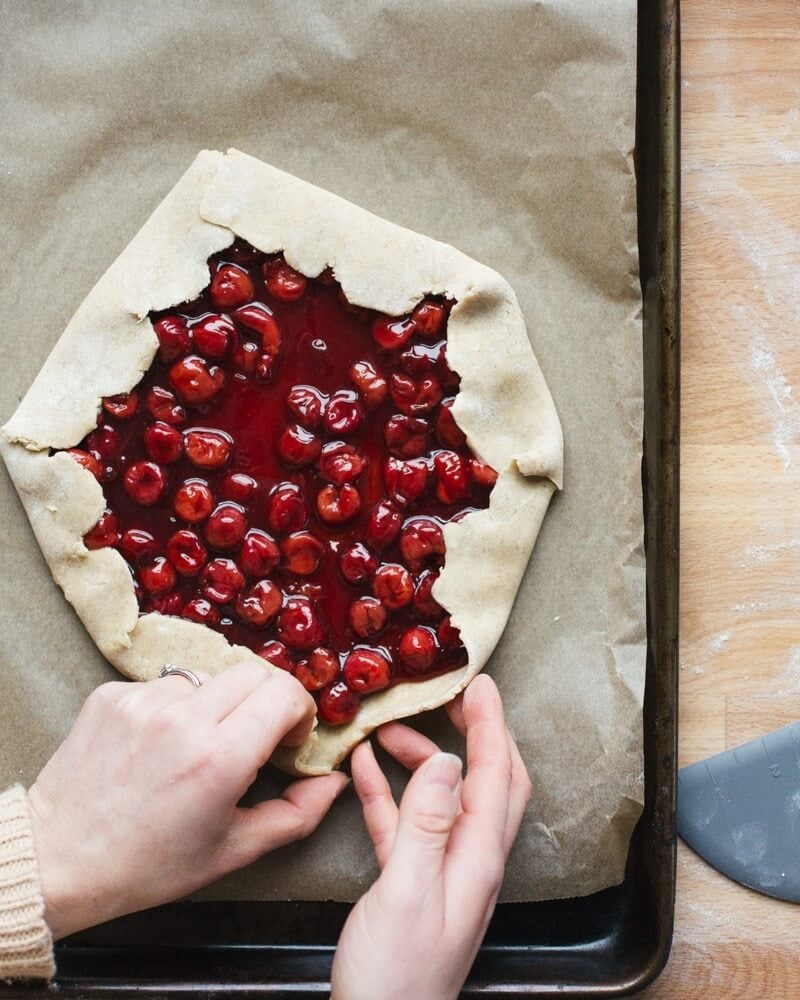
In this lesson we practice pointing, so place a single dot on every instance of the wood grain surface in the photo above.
(740, 454)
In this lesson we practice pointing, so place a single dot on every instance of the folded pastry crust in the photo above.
(503, 406)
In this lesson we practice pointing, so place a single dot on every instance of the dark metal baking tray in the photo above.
(609, 944)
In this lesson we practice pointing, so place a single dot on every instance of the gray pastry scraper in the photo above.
(740, 811)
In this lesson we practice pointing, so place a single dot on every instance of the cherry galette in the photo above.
(282, 428)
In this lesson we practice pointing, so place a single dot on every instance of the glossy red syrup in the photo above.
(293, 335)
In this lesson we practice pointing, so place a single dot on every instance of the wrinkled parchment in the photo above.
(503, 128)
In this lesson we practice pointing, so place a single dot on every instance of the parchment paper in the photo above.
(504, 128)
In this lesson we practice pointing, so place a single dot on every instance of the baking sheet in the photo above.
(478, 123)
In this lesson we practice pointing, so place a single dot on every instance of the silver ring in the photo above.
(172, 668)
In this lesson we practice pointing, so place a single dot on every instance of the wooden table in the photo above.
(740, 478)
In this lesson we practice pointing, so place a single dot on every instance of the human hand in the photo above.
(442, 855)
(138, 805)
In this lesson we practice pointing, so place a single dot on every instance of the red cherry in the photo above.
(299, 626)
(286, 509)
(367, 617)
(89, 462)
(264, 368)
(276, 653)
(259, 604)
(406, 436)
(318, 670)
(371, 386)
(391, 333)
(157, 576)
(231, 287)
(449, 636)
(213, 335)
(421, 539)
(429, 319)
(186, 552)
(225, 527)
(194, 382)
(239, 487)
(122, 406)
(338, 704)
(283, 281)
(305, 404)
(341, 463)
(302, 553)
(415, 397)
(405, 481)
(166, 604)
(425, 604)
(110, 469)
(344, 413)
(258, 318)
(383, 525)
(419, 359)
(136, 543)
(448, 432)
(482, 474)
(145, 482)
(366, 670)
(450, 380)
(393, 586)
(173, 335)
(337, 504)
(357, 564)
(417, 649)
(297, 446)
(104, 534)
(259, 554)
(221, 581)
(162, 404)
(246, 356)
(104, 441)
(451, 475)
(201, 611)
(207, 449)
(163, 443)
(193, 501)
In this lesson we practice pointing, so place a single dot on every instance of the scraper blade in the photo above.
(740, 810)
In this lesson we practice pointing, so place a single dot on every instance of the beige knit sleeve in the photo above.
(26, 946)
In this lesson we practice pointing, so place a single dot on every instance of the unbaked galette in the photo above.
(281, 427)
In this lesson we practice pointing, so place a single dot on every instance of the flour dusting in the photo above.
(772, 248)
(787, 426)
(767, 553)
(790, 676)
(719, 642)
(695, 656)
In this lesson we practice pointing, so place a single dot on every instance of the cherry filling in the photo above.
(282, 473)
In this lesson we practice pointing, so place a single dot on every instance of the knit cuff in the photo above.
(26, 945)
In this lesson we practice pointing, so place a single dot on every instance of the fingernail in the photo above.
(443, 769)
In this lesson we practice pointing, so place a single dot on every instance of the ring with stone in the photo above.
(172, 668)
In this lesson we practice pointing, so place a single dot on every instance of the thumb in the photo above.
(428, 810)
(276, 822)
